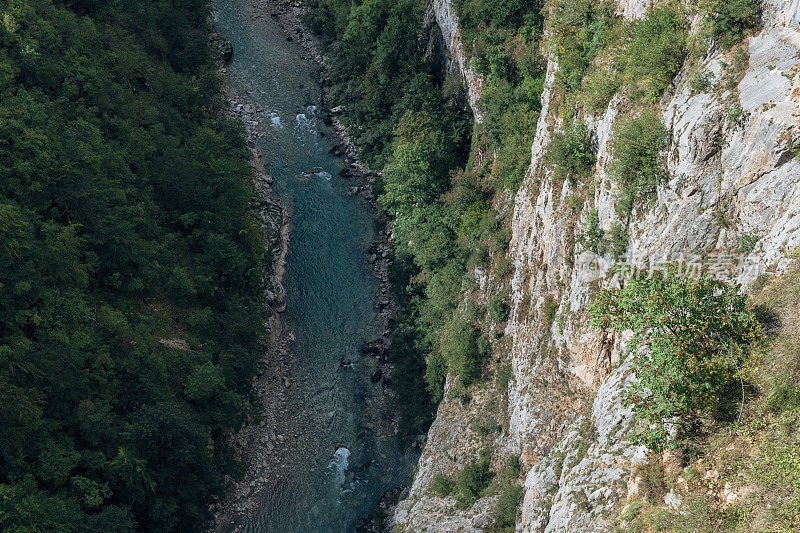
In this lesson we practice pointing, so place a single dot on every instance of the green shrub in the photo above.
(436, 375)
(655, 51)
(731, 19)
(512, 110)
(421, 159)
(592, 239)
(695, 332)
(580, 31)
(518, 126)
(736, 114)
(472, 481)
(549, 310)
(637, 167)
(407, 354)
(463, 351)
(748, 241)
(441, 485)
(574, 203)
(501, 239)
(572, 153)
(504, 376)
(617, 241)
(698, 81)
(599, 86)
(498, 307)
(487, 426)
(513, 467)
(441, 296)
(597, 53)
(498, 13)
(505, 510)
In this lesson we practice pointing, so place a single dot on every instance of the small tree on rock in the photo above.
(690, 336)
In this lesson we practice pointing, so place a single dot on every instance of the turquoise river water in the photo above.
(330, 291)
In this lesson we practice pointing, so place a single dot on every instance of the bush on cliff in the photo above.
(655, 51)
(572, 153)
(581, 29)
(506, 508)
(463, 348)
(731, 19)
(637, 168)
(473, 480)
(690, 337)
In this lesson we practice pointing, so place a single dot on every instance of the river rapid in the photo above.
(335, 453)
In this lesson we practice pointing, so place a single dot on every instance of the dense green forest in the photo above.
(131, 267)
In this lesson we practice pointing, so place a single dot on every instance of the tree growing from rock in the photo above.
(690, 337)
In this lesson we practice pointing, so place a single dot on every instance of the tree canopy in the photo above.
(690, 335)
(131, 267)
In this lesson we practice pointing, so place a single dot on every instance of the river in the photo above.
(339, 459)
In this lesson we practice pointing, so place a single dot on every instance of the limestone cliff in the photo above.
(446, 18)
(752, 179)
(566, 420)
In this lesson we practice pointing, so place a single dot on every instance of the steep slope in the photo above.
(445, 15)
(729, 204)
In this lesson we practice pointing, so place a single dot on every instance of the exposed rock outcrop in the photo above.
(718, 192)
(447, 20)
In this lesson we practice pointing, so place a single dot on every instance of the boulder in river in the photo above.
(376, 376)
(374, 347)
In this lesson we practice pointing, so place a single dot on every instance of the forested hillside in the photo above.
(132, 267)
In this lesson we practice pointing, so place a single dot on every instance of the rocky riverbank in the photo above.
(254, 445)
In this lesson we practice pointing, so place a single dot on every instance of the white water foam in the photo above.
(275, 121)
(308, 121)
(338, 465)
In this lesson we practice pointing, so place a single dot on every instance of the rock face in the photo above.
(567, 421)
(451, 444)
(578, 484)
(447, 20)
(718, 192)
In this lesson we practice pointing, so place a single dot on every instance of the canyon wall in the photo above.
(730, 178)
(727, 180)
(447, 20)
